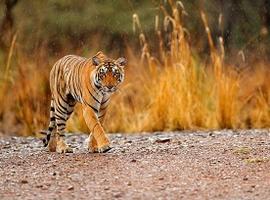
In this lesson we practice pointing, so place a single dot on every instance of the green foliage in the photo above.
(59, 23)
(62, 20)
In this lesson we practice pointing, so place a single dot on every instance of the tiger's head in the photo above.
(109, 73)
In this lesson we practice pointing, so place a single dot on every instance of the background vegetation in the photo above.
(192, 64)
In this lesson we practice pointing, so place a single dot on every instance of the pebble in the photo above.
(39, 186)
(24, 181)
(132, 146)
(106, 188)
(117, 195)
(162, 140)
(71, 187)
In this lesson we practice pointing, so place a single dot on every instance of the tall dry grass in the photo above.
(175, 91)
(172, 91)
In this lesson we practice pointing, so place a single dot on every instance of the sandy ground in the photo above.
(180, 165)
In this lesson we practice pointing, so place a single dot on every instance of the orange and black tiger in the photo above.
(89, 81)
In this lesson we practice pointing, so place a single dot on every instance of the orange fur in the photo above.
(90, 82)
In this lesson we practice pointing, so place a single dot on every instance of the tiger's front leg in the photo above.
(91, 140)
(98, 141)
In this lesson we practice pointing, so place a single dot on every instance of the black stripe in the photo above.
(59, 92)
(91, 106)
(52, 109)
(74, 86)
(93, 96)
(61, 124)
(61, 129)
(103, 102)
(69, 113)
(72, 104)
(63, 99)
(94, 108)
(59, 117)
(62, 62)
(97, 86)
(61, 112)
(102, 115)
(63, 108)
(52, 118)
(94, 88)
(80, 92)
(76, 81)
(103, 108)
(50, 129)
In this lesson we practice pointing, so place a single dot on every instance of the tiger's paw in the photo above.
(91, 144)
(104, 149)
(103, 145)
(62, 147)
(92, 149)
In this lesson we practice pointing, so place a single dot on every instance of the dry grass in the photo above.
(173, 91)
(257, 160)
(242, 150)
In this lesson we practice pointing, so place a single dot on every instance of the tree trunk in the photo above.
(7, 23)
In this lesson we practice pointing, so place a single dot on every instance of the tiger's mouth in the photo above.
(109, 89)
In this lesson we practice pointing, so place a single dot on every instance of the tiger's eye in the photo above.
(115, 70)
(103, 70)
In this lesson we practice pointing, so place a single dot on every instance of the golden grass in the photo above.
(172, 91)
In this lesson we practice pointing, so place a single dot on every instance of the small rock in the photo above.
(7, 146)
(71, 187)
(162, 140)
(211, 134)
(129, 183)
(24, 181)
(39, 186)
(133, 160)
(106, 188)
(117, 195)
(48, 184)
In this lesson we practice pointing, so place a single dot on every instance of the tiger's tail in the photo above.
(51, 127)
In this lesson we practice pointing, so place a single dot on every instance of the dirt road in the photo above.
(179, 165)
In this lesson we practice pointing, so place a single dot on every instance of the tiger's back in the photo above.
(66, 75)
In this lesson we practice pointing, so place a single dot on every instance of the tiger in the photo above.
(90, 82)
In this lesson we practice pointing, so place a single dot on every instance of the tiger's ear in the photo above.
(121, 61)
(95, 61)
(98, 58)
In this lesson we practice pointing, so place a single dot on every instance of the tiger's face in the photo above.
(109, 74)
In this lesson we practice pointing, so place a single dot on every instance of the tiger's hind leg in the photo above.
(57, 142)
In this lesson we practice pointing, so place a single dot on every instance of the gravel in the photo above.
(164, 165)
